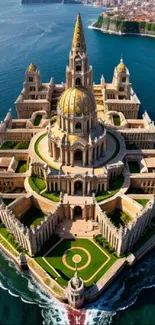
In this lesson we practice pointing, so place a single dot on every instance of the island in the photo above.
(77, 179)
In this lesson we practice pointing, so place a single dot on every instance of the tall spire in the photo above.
(78, 38)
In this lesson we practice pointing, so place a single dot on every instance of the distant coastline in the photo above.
(109, 25)
(23, 2)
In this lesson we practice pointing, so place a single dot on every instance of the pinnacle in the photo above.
(78, 37)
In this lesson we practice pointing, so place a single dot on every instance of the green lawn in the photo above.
(37, 184)
(8, 247)
(143, 202)
(11, 240)
(116, 120)
(53, 196)
(119, 217)
(23, 166)
(54, 258)
(114, 187)
(37, 120)
(33, 217)
(15, 145)
(134, 167)
(39, 154)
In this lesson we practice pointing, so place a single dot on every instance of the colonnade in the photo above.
(38, 169)
(143, 140)
(69, 125)
(68, 185)
(66, 155)
(129, 110)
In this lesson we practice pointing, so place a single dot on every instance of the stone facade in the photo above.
(79, 155)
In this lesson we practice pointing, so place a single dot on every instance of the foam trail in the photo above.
(16, 35)
(29, 51)
(122, 294)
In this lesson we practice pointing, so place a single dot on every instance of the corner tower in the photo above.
(78, 73)
(121, 81)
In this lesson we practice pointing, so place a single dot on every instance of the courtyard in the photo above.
(91, 260)
(33, 217)
(119, 217)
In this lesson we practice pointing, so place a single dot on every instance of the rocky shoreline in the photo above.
(110, 32)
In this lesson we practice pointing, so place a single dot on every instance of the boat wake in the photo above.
(121, 294)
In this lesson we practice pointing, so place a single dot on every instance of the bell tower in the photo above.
(78, 73)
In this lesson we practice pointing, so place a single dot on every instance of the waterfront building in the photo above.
(83, 141)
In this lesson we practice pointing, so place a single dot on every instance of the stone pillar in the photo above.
(54, 152)
(66, 157)
(59, 187)
(90, 157)
(84, 187)
(84, 213)
(84, 158)
(72, 158)
(61, 154)
(51, 149)
(72, 188)
(72, 213)
(88, 188)
(68, 187)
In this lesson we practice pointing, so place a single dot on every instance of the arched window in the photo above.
(121, 89)
(78, 67)
(78, 126)
(78, 82)
(124, 79)
(30, 79)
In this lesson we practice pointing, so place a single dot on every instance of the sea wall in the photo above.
(108, 24)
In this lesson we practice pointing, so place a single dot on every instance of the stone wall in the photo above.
(27, 108)
(122, 239)
(31, 239)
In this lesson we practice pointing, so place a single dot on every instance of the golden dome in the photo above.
(121, 68)
(32, 68)
(77, 101)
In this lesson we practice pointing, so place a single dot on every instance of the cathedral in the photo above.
(86, 155)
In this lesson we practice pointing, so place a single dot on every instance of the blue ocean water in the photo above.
(42, 34)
